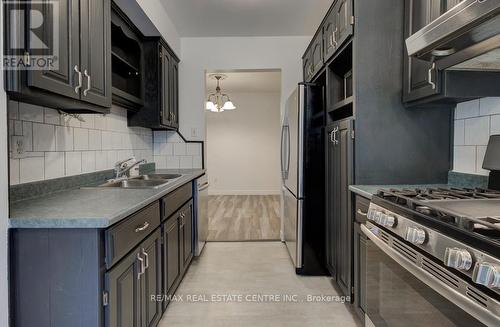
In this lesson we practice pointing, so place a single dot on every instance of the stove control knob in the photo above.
(457, 258)
(390, 221)
(415, 235)
(486, 274)
(371, 214)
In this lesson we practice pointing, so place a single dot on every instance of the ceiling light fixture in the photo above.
(218, 101)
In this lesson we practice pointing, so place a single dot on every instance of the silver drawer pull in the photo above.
(362, 213)
(142, 228)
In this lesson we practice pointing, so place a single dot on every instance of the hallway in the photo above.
(244, 270)
(244, 218)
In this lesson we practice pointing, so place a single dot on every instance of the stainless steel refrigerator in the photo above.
(303, 176)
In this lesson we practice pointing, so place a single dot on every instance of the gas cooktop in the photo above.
(476, 212)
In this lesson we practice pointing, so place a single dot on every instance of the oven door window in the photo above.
(395, 297)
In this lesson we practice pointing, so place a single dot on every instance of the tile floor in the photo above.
(248, 268)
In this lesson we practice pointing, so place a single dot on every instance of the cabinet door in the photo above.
(420, 78)
(64, 80)
(359, 271)
(95, 60)
(166, 98)
(339, 222)
(122, 285)
(331, 225)
(343, 176)
(317, 54)
(171, 252)
(343, 22)
(150, 281)
(328, 35)
(187, 213)
(308, 68)
(174, 82)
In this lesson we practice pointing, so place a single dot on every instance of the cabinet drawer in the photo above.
(123, 237)
(173, 201)
(361, 209)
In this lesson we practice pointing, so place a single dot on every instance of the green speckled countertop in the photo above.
(90, 207)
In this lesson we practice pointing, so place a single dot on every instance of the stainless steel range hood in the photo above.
(466, 37)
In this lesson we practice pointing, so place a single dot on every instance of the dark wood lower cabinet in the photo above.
(359, 282)
(133, 284)
(186, 214)
(114, 277)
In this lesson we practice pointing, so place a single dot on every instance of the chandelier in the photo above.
(218, 101)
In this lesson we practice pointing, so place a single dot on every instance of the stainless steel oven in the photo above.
(406, 287)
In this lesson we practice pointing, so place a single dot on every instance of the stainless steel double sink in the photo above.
(150, 181)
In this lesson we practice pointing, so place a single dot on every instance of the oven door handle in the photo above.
(479, 312)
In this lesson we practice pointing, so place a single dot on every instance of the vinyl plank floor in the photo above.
(244, 217)
(241, 271)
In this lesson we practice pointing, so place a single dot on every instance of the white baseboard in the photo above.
(243, 192)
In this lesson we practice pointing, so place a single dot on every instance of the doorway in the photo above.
(243, 153)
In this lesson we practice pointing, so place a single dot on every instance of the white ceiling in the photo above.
(247, 82)
(217, 18)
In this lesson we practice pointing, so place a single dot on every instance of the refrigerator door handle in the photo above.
(281, 152)
(287, 151)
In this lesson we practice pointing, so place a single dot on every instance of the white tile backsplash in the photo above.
(44, 137)
(31, 169)
(477, 131)
(30, 112)
(60, 145)
(489, 106)
(475, 122)
(88, 162)
(64, 138)
(81, 139)
(54, 165)
(467, 109)
(73, 163)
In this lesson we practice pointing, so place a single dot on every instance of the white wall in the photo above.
(4, 204)
(243, 146)
(475, 121)
(226, 53)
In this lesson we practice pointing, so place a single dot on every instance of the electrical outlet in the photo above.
(18, 149)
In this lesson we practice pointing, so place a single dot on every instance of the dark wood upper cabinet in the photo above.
(420, 78)
(335, 30)
(96, 39)
(161, 79)
(127, 60)
(81, 83)
(344, 22)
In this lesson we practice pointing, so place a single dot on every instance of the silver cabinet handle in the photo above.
(141, 260)
(334, 136)
(79, 86)
(146, 256)
(429, 76)
(88, 83)
(331, 137)
(330, 40)
(142, 228)
(362, 213)
(334, 36)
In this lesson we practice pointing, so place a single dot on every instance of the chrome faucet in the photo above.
(122, 167)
